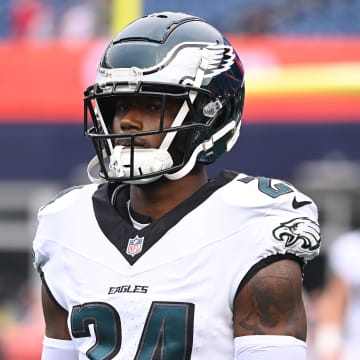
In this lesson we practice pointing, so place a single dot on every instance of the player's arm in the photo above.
(57, 344)
(55, 317)
(269, 314)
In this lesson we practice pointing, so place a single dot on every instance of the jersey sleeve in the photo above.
(278, 222)
(49, 247)
(45, 249)
(292, 224)
(284, 220)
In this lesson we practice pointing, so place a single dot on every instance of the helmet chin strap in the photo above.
(145, 161)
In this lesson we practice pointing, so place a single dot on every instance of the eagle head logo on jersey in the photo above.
(302, 229)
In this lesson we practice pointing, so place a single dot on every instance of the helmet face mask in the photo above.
(204, 77)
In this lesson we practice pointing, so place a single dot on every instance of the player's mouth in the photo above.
(126, 143)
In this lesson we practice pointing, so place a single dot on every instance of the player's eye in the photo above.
(121, 106)
(154, 106)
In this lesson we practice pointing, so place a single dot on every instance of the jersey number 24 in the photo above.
(167, 333)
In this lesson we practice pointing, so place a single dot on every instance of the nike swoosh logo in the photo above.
(298, 204)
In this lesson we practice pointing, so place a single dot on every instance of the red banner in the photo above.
(288, 79)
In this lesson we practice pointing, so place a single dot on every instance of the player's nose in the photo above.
(129, 121)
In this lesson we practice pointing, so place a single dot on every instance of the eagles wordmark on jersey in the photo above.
(157, 292)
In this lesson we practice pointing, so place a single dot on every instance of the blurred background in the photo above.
(301, 120)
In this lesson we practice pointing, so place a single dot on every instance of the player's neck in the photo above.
(158, 198)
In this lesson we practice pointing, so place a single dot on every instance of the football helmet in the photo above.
(169, 56)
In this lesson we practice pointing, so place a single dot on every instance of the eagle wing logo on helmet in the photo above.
(186, 59)
(219, 58)
(299, 230)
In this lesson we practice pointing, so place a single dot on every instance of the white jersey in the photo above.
(167, 291)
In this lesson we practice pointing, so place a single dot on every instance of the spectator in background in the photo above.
(31, 19)
(337, 331)
(79, 21)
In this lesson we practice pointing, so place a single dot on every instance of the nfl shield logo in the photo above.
(135, 245)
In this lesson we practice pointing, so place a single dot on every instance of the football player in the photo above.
(336, 334)
(154, 260)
